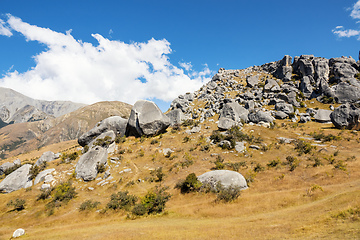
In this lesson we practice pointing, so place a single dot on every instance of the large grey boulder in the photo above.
(271, 85)
(86, 167)
(46, 157)
(42, 175)
(114, 123)
(284, 107)
(260, 116)
(346, 116)
(322, 115)
(107, 138)
(306, 87)
(321, 68)
(343, 67)
(227, 178)
(345, 92)
(176, 116)
(252, 81)
(6, 166)
(232, 114)
(17, 179)
(146, 119)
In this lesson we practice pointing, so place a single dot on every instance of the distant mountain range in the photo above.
(27, 124)
(18, 108)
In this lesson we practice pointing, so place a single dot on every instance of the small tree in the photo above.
(190, 184)
(18, 204)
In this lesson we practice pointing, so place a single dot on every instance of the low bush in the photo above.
(303, 147)
(35, 170)
(158, 174)
(274, 163)
(88, 205)
(103, 142)
(122, 200)
(64, 192)
(227, 194)
(18, 204)
(219, 163)
(190, 184)
(154, 201)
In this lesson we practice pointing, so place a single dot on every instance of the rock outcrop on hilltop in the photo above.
(284, 84)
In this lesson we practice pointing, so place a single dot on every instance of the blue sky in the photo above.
(159, 49)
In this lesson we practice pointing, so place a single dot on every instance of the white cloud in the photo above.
(346, 33)
(4, 30)
(186, 66)
(112, 70)
(355, 14)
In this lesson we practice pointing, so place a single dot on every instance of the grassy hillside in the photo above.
(316, 197)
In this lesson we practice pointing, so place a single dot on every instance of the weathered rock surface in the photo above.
(46, 157)
(260, 116)
(252, 81)
(116, 124)
(86, 167)
(225, 177)
(43, 174)
(146, 119)
(346, 116)
(6, 166)
(322, 115)
(17, 180)
(232, 114)
(18, 233)
(176, 116)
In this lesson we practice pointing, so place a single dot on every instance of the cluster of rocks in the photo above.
(283, 84)
(21, 177)
(145, 119)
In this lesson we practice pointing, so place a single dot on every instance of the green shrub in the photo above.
(103, 142)
(190, 184)
(274, 163)
(154, 141)
(236, 166)
(158, 173)
(340, 165)
(227, 194)
(122, 200)
(139, 210)
(186, 139)
(64, 192)
(88, 205)
(219, 163)
(100, 167)
(120, 139)
(18, 204)
(155, 201)
(293, 162)
(303, 147)
(44, 194)
(258, 168)
(35, 170)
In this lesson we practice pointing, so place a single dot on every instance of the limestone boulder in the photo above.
(43, 174)
(146, 119)
(227, 178)
(272, 86)
(284, 107)
(260, 116)
(18, 233)
(116, 124)
(346, 92)
(252, 81)
(176, 116)
(346, 116)
(16, 180)
(232, 114)
(86, 167)
(46, 157)
(322, 115)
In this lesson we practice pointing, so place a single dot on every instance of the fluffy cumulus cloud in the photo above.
(70, 69)
(340, 31)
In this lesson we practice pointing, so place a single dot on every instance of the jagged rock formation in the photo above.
(46, 157)
(146, 119)
(283, 83)
(116, 124)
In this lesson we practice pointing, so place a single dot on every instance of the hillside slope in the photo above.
(23, 137)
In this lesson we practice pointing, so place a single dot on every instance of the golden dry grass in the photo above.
(278, 204)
